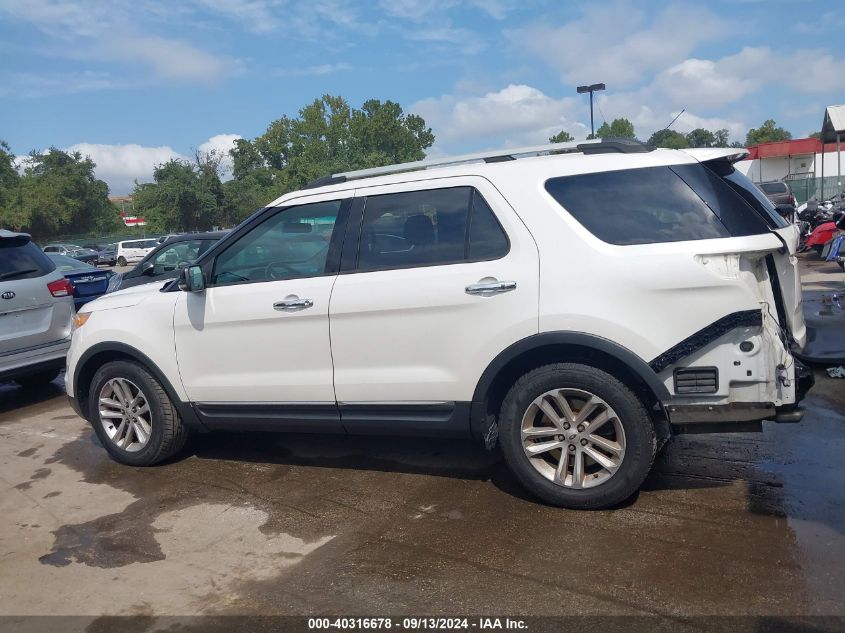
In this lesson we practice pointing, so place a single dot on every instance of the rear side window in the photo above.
(637, 206)
(429, 228)
(22, 260)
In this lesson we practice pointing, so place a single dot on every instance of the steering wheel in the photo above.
(182, 264)
(268, 271)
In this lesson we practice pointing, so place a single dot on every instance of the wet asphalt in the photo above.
(728, 524)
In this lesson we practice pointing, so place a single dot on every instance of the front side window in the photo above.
(291, 244)
(427, 228)
(636, 206)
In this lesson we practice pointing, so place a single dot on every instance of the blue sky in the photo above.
(135, 82)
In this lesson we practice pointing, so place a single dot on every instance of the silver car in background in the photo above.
(36, 312)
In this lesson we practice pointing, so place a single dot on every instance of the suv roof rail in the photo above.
(591, 146)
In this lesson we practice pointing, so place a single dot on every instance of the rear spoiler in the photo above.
(9, 238)
(706, 154)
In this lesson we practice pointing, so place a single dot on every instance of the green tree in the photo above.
(183, 196)
(699, 137)
(9, 176)
(668, 138)
(561, 137)
(618, 128)
(722, 137)
(59, 194)
(767, 133)
(328, 136)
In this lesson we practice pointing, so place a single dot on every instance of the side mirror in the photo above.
(148, 269)
(192, 279)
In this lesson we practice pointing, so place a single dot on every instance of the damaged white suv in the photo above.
(576, 303)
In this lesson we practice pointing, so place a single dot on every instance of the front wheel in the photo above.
(576, 437)
(121, 261)
(133, 415)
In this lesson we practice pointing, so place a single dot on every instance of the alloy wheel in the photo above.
(573, 438)
(125, 414)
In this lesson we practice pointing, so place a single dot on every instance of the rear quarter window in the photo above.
(637, 206)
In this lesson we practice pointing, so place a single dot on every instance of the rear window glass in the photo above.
(22, 261)
(637, 206)
(773, 187)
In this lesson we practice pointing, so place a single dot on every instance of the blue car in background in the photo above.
(89, 282)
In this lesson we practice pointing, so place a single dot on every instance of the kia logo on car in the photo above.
(8, 295)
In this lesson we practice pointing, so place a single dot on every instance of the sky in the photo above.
(133, 83)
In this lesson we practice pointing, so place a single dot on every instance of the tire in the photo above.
(121, 261)
(142, 439)
(546, 474)
(39, 379)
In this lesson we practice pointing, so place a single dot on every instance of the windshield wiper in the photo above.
(16, 273)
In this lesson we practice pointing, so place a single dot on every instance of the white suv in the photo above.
(576, 304)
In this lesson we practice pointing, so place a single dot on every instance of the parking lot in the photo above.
(727, 524)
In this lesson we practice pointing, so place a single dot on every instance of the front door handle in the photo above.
(488, 289)
(293, 304)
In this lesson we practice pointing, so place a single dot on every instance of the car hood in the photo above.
(125, 298)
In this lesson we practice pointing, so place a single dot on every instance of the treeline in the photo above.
(57, 194)
(328, 136)
(699, 137)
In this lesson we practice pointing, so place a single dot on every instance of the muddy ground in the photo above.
(730, 524)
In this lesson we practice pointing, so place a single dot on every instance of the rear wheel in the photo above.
(576, 437)
(121, 261)
(38, 379)
(133, 416)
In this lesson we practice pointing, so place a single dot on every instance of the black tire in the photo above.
(168, 433)
(640, 448)
(39, 379)
(121, 261)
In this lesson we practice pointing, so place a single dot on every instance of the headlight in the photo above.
(80, 319)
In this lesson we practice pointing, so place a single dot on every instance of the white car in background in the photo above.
(131, 251)
(576, 308)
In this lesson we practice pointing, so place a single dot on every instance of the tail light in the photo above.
(60, 288)
(791, 199)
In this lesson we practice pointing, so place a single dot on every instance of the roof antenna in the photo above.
(675, 119)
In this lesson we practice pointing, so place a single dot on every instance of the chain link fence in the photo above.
(805, 186)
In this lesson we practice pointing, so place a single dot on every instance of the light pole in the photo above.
(591, 89)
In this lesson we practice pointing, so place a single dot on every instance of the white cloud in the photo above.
(220, 144)
(515, 115)
(617, 43)
(115, 32)
(308, 71)
(171, 59)
(121, 165)
(33, 86)
(421, 9)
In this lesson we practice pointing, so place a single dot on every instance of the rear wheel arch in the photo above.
(554, 347)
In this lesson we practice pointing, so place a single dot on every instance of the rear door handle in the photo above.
(488, 289)
(292, 304)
